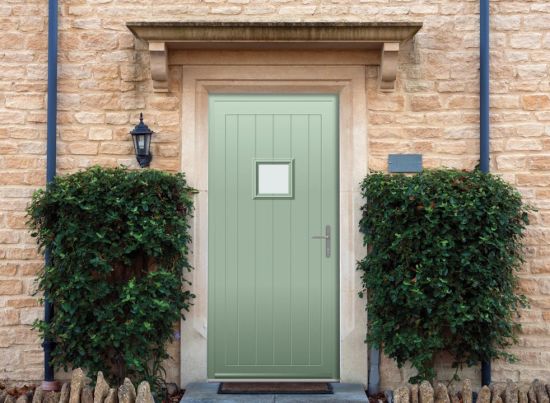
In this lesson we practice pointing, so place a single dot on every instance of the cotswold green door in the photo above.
(273, 237)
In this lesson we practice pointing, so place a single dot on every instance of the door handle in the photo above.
(326, 237)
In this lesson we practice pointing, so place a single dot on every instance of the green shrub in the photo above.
(118, 241)
(444, 246)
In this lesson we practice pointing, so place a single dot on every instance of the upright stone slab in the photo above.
(414, 393)
(540, 390)
(127, 392)
(454, 394)
(101, 388)
(65, 393)
(111, 396)
(144, 394)
(426, 392)
(511, 392)
(441, 394)
(78, 380)
(531, 394)
(51, 397)
(522, 394)
(87, 395)
(38, 395)
(22, 399)
(484, 395)
(401, 395)
(497, 391)
(467, 394)
(131, 387)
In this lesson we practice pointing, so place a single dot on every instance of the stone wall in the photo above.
(104, 83)
(509, 392)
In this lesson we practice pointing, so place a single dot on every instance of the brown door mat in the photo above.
(275, 388)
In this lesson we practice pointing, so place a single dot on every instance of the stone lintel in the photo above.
(163, 36)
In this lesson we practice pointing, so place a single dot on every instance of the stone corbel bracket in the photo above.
(368, 36)
(387, 74)
(158, 52)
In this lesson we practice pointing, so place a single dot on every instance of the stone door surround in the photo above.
(384, 37)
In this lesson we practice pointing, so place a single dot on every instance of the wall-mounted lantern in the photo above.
(142, 142)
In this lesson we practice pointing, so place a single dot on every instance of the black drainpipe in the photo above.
(49, 383)
(484, 120)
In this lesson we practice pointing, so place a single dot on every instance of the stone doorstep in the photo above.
(208, 392)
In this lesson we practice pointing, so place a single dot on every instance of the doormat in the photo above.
(275, 388)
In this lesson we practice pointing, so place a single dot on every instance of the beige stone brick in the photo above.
(8, 269)
(100, 134)
(532, 71)
(510, 162)
(90, 117)
(29, 315)
(386, 102)
(168, 151)
(505, 101)
(22, 302)
(9, 358)
(116, 118)
(164, 103)
(25, 101)
(9, 316)
(297, 10)
(26, 269)
(535, 102)
(424, 103)
(105, 72)
(226, 10)
(526, 41)
(98, 41)
(10, 287)
(100, 101)
(463, 102)
(116, 148)
(84, 148)
(259, 10)
(540, 163)
(507, 22)
(13, 41)
(8, 237)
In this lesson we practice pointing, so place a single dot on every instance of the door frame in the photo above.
(349, 83)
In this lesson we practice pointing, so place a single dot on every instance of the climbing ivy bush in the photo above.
(444, 248)
(118, 242)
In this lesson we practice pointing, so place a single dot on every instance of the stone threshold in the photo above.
(202, 392)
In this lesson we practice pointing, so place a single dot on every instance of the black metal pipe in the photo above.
(485, 373)
(484, 122)
(51, 153)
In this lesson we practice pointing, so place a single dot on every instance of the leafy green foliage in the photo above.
(444, 246)
(118, 241)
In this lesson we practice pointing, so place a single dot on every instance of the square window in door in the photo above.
(273, 178)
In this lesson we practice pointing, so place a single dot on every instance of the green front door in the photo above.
(273, 237)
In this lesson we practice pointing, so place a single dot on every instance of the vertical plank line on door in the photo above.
(273, 249)
(255, 254)
(322, 259)
(290, 250)
(237, 245)
(225, 220)
(308, 246)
